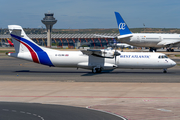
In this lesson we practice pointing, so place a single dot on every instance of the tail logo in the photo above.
(122, 26)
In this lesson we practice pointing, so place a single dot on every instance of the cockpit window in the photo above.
(162, 56)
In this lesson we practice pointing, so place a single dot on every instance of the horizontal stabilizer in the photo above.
(124, 36)
(14, 27)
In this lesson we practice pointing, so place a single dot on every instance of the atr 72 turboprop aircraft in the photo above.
(151, 40)
(95, 60)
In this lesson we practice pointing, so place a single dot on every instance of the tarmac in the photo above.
(37, 111)
(133, 94)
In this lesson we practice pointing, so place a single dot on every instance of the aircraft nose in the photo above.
(173, 63)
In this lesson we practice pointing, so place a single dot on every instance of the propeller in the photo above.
(115, 52)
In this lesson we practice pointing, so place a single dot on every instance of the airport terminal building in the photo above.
(70, 41)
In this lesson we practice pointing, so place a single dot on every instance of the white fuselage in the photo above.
(95, 60)
(130, 60)
(150, 40)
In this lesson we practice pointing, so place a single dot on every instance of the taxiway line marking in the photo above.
(89, 97)
(22, 112)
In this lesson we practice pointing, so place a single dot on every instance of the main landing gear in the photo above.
(152, 49)
(96, 70)
(170, 50)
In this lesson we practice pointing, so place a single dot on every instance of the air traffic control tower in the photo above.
(49, 21)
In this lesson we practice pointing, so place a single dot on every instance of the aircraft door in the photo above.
(160, 38)
(138, 39)
(117, 60)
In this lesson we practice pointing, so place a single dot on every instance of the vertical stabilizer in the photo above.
(24, 45)
(122, 26)
(19, 38)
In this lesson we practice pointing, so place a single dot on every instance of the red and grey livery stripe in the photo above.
(33, 54)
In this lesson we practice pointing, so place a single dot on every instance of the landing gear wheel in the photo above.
(152, 49)
(98, 70)
(93, 70)
(164, 70)
(170, 50)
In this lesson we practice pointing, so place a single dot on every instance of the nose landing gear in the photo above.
(164, 70)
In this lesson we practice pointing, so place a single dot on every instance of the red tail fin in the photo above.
(10, 43)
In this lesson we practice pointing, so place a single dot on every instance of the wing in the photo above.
(99, 53)
(169, 42)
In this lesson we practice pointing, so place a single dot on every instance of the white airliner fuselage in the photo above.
(129, 60)
(151, 40)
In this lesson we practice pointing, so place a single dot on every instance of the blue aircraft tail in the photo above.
(122, 26)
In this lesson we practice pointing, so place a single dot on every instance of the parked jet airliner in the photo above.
(151, 40)
(9, 43)
(95, 60)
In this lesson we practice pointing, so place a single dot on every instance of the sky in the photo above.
(84, 14)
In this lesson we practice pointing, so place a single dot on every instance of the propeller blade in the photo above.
(115, 49)
(115, 52)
